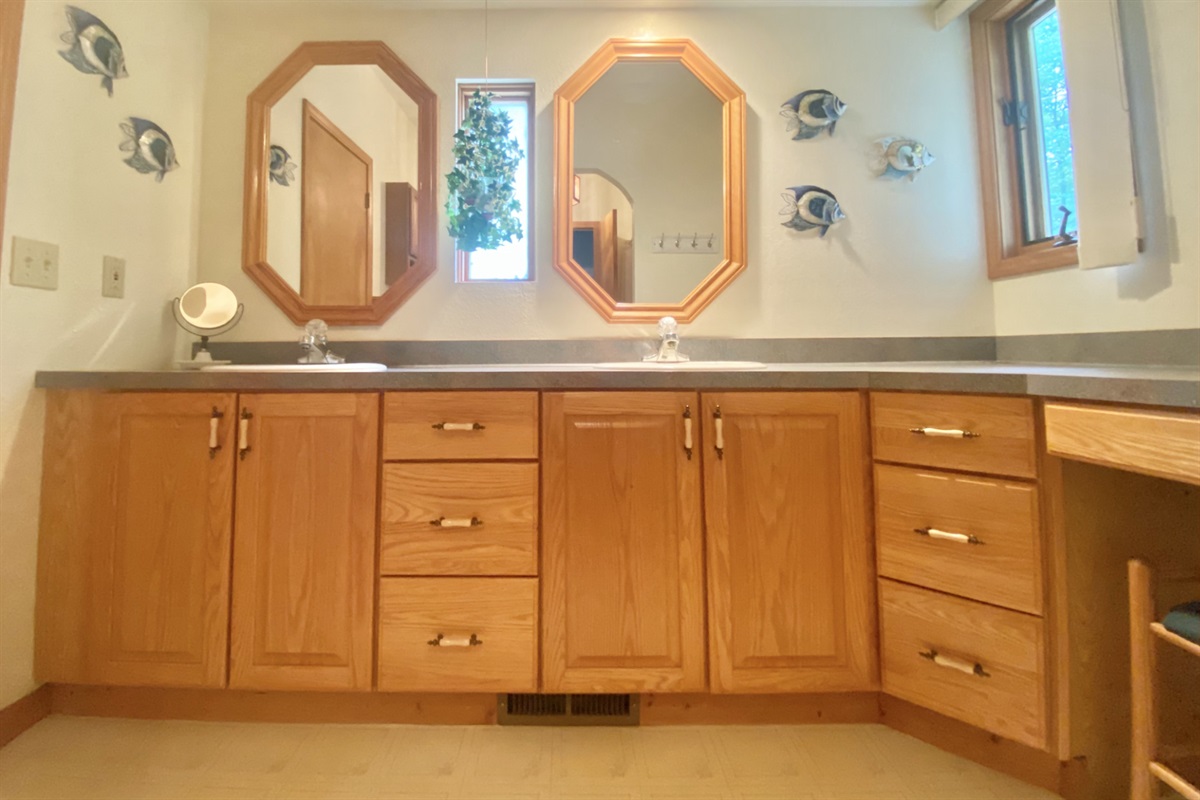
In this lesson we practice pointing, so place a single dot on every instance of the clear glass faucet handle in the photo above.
(667, 326)
(316, 330)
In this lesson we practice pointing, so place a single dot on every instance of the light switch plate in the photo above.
(34, 264)
(113, 282)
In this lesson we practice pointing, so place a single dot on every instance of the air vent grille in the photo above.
(568, 709)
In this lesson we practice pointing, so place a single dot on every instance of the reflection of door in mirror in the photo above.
(598, 250)
(605, 206)
(335, 215)
(346, 232)
(648, 138)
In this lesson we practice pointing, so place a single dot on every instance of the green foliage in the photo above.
(482, 206)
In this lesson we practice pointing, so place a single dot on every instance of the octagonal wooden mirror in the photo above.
(649, 180)
(341, 177)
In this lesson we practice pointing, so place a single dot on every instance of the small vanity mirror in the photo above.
(649, 203)
(340, 220)
(204, 310)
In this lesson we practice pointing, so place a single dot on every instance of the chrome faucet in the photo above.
(668, 342)
(315, 344)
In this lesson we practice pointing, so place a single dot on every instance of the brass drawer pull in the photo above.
(448, 522)
(945, 433)
(949, 536)
(455, 641)
(457, 426)
(950, 662)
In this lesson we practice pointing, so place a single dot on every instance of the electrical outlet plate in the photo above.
(113, 281)
(34, 264)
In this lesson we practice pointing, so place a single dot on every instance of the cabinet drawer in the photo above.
(1000, 563)
(1008, 699)
(459, 519)
(920, 429)
(488, 630)
(448, 426)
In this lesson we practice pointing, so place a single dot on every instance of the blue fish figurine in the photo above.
(811, 112)
(94, 48)
(149, 146)
(900, 157)
(811, 207)
(282, 169)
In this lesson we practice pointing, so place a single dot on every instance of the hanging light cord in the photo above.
(486, 75)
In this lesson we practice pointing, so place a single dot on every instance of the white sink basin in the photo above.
(676, 366)
(365, 366)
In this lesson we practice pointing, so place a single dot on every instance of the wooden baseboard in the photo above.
(22, 715)
(231, 705)
(1037, 767)
(759, 709)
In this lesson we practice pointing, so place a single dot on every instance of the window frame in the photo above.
(507, 90)
(1003, 212)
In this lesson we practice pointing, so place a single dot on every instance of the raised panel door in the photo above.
(622, 586)
(159, 534)
(304, 543)
(791, 578)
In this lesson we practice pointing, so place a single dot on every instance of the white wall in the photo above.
(68, 184)
(908, 262)
(368, 107)
(1162, 290)
(657, 131)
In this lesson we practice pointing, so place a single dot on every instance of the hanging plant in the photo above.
(483, 207)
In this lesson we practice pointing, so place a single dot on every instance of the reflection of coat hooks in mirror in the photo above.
(701, 243)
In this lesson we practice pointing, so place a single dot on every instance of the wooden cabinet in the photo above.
(791, 592)
(622, 551)
(137, 497)
(304, 546)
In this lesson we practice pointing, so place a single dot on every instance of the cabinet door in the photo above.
(304, 542)
(144, 526)
(791, 580)
(622, 591)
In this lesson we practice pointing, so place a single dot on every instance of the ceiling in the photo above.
(453, 5)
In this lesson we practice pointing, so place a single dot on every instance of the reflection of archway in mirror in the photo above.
(353, 235)
(603, 232)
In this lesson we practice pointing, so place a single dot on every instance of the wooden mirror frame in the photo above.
(733, 100)
(258, 146)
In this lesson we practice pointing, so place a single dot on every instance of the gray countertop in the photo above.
(1142, 385)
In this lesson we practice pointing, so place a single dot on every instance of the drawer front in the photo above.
(1009, 700)
(450, 426)
(459, 519)
(919, 429)
(488, 630)
(1159, 443)
(1000, 560)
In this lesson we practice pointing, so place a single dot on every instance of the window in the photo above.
(513, 261)
(1026, 155)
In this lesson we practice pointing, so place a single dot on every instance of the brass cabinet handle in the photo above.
(944, 433)
(958, 664)
(719, 429)
(449, 522)
(455, 641)
(457, 426)
(949, 536)
(214, 432)
(244, 432)
(687, 431)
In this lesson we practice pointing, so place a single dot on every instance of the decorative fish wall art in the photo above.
(94, 48)
(899, 157)
(281, 168)
(149, 146)
(811, 112)
(810, 207)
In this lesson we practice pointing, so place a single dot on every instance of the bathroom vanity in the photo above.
(711, 541)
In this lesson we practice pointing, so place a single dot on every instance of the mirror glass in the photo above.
(341, 194)
(647, 218)
(208, 306)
